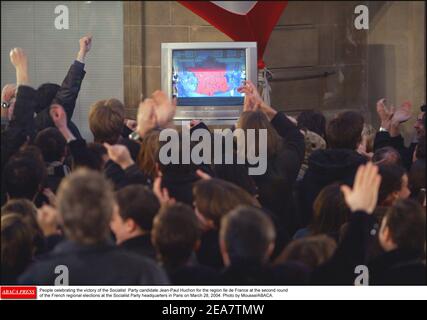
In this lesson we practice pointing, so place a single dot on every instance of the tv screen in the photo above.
(208, 77)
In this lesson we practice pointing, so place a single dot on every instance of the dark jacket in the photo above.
(193, 275)
(180, 186)
(275, 187)
(324, 168)
(102, 264)
(397, 267)
(140, 245)
(350, 253)
(253, 273)
(209, 253)
(66, 96)
(20, 129)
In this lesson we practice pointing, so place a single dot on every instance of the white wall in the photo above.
(31, 26)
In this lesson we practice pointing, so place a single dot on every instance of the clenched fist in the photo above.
(18, 58)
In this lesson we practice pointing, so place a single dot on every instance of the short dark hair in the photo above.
(45, 95)
(387, 155)
(391, 180)
(51, 143)
(345, 131)
(138, 203)
(406, 220)
(175, 233)
(24, 173)
(313, 121)
(247, 233)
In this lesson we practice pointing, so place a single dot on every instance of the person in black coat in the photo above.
(132, 222)
(64, 95)
(337, 164)
(85, 204)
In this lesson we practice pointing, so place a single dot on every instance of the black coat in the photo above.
(140, 245)
(193, 275)
(209, 253)
(102, 264)
(275, 187)
(67, 97)
(324, 168)
(397, 267)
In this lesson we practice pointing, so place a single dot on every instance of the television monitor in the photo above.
(204, 78)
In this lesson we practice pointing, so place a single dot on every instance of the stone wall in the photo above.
(311, 38)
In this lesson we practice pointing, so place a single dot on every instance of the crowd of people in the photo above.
(336, 195)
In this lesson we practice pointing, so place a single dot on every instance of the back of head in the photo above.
(248, 235)
(106, 120)
(147, 157)
(345, 131)
(51, 143)
(175, 234)
(214, 198)
(313, 121)
(16, 246)
(85, 202)
(391, 181)
(45, 95)
(330, 211)
(312, 251)
(138, 203)
(24, 173)
(258, 120)
(406, 221)
(386, 155)
(24, 208)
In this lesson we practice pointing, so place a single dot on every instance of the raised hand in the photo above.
(162, 193)
(119, 154)
(131, 124)
(402, 114)
(146, 118)
(254, 101)
(85, 44)
(385, 114)
(364, 194)
(165, 108)
(20, 62)
(58, 115)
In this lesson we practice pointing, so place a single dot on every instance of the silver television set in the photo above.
(204, 77)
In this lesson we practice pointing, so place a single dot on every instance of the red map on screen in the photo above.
(210, 81)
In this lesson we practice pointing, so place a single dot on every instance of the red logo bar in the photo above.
(19, 292)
